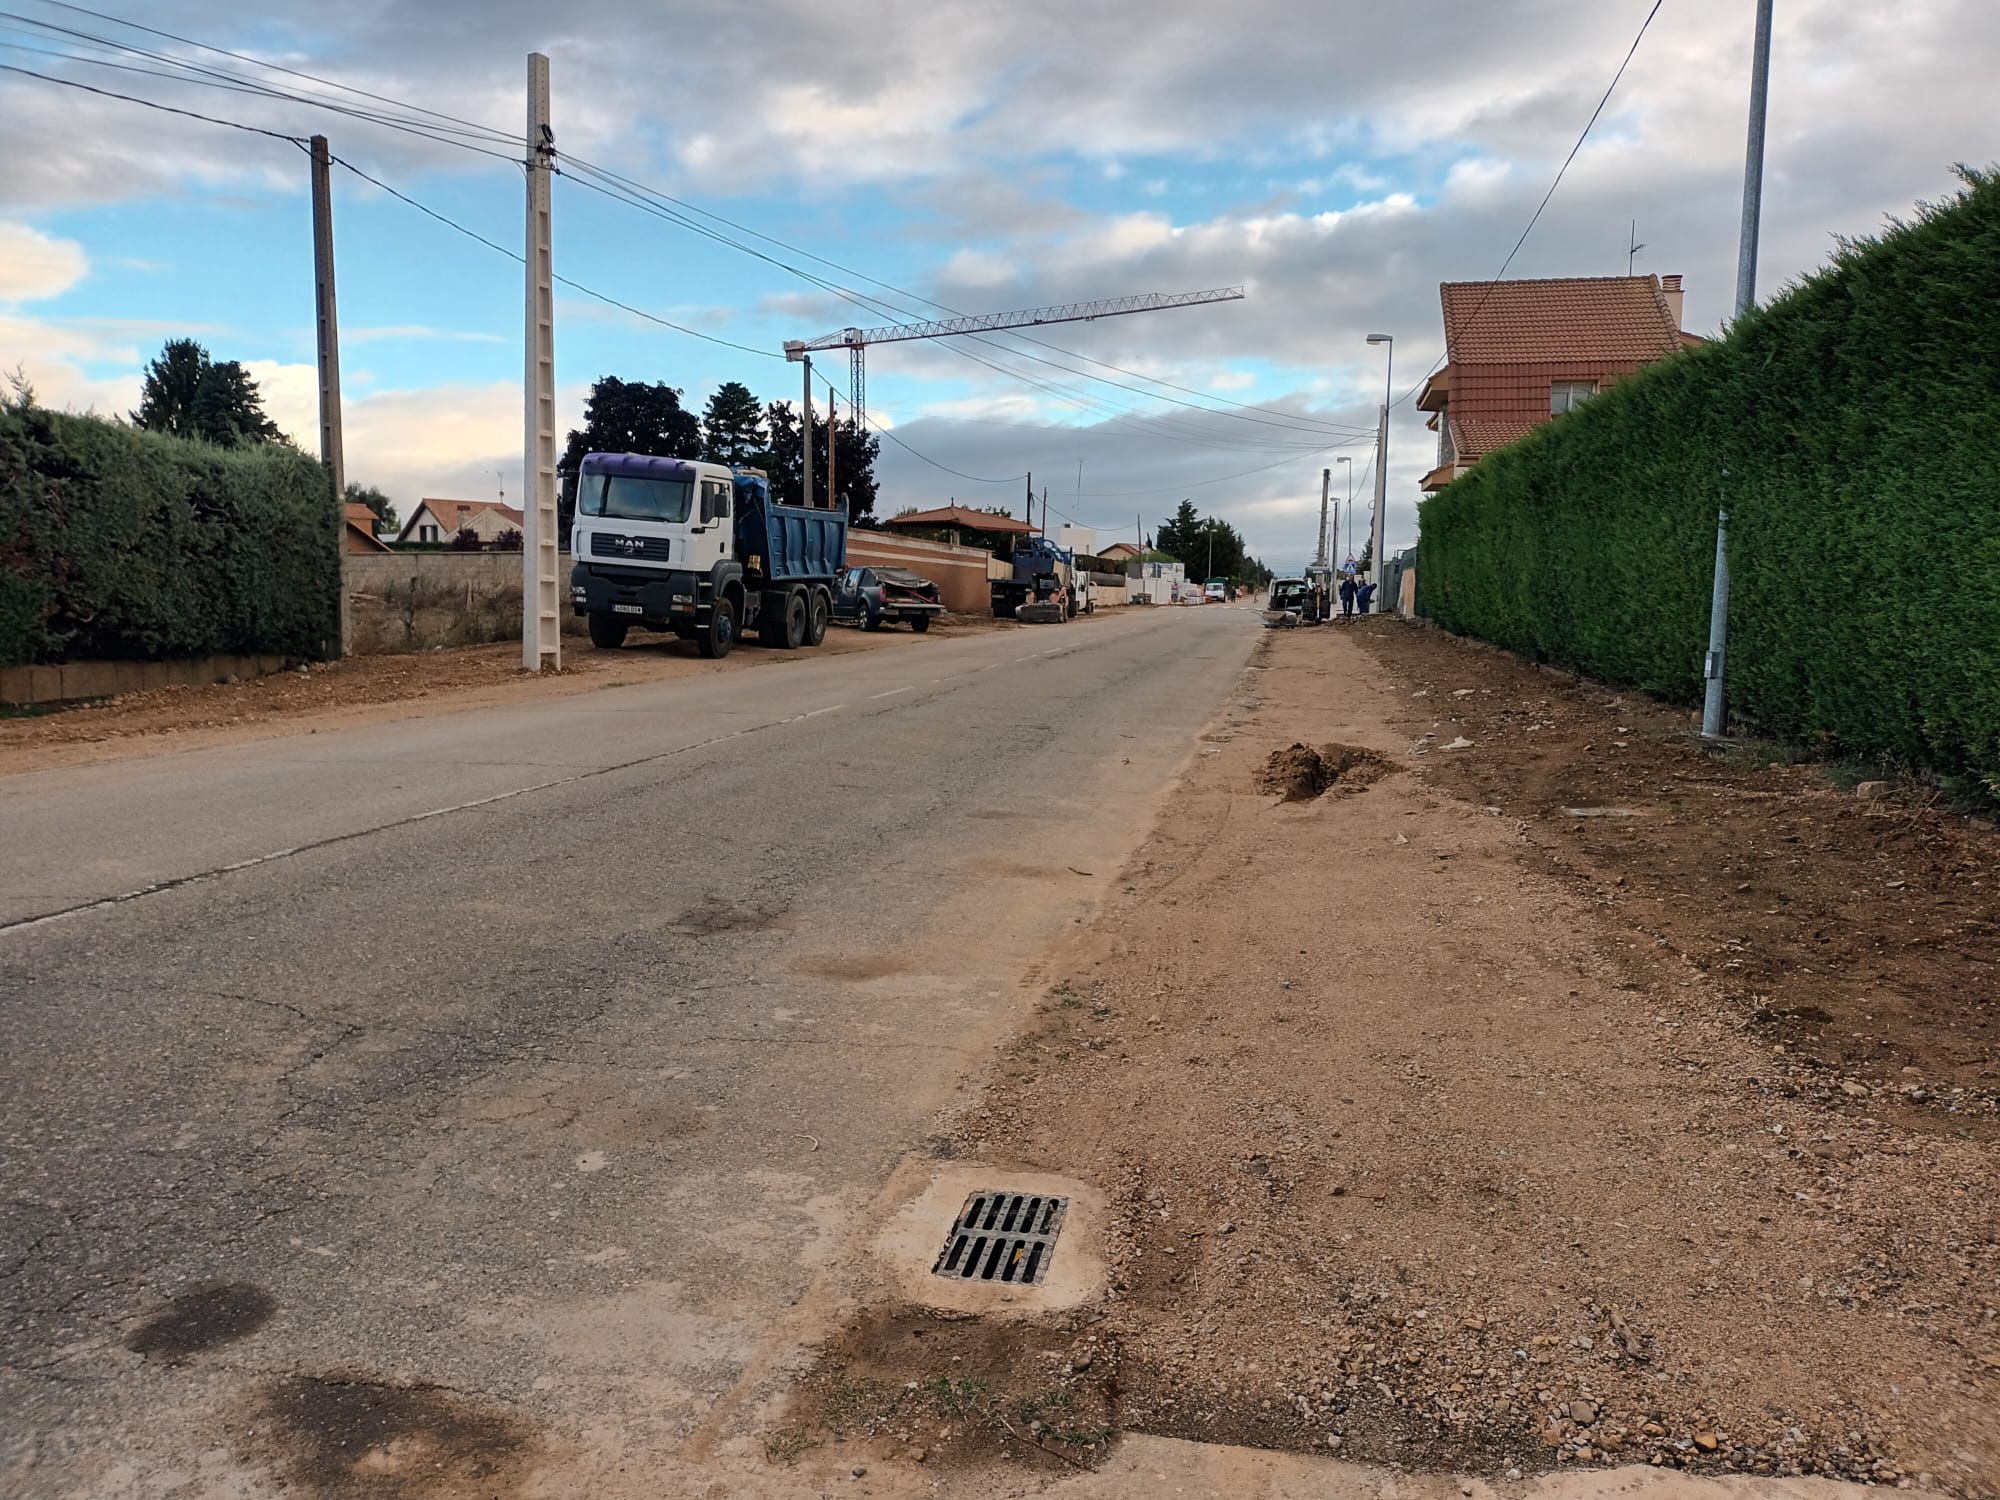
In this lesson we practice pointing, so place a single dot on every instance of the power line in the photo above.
(1244, 412)
(456, 125)
(1196, 484)
(1199, 437)
(577, 286)
(258, 62)
(276, 135)
(869, 417)
(1535, 218)
(193, 73)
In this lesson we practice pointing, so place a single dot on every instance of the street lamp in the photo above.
(1345, 459)
(1382, 455)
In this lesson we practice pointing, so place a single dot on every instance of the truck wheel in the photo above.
(607, 632)
(721, 632)
(920, 623)
(796, 620)
(869, 619)
(817, 609)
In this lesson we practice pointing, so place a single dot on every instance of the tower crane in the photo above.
(856, 340)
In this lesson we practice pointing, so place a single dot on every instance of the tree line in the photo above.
(189, 394)
(635, 416)
(1209, 547)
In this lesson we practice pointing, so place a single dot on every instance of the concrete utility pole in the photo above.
(328, 322)
(1714, 710)
(1325, 488)
(1382, 456)
(832, 446)
(806, 435)
(541, 617)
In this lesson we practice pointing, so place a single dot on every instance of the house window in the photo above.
(427, 533)
(1568, 395)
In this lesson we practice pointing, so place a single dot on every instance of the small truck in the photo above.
(699, 550)
(1044, 574)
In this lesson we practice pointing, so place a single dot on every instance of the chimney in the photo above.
(1670, 288)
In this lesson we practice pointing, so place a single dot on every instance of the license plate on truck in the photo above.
(628, 609)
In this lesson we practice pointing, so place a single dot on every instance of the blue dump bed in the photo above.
(792, 543)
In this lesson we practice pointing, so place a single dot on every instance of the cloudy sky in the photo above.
(1336, 159)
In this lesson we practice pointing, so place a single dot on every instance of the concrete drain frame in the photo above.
(968, 1204)
(1004, 1237)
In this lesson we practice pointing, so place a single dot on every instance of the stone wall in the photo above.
(69, 682)
(412, 601)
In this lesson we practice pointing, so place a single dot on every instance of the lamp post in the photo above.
(1714, 712)
(1344, 459)
(1381, 456)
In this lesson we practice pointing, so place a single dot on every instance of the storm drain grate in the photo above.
(1008, 1237)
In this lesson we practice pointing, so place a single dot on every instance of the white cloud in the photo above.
(415, 333)
(979, 268)
(35, 267)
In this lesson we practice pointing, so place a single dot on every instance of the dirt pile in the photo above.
(1299, 773)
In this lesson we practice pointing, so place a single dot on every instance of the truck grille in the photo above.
(646, 548)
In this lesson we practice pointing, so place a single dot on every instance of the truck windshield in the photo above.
(629, 498)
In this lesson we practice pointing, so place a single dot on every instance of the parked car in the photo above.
(871, 596)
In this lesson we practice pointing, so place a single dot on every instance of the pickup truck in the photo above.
(874, 597)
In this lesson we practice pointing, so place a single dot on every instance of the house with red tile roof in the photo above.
(358, 530)
(441, 520)
(1521, 353)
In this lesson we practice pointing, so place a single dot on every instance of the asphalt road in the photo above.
(413, 1109)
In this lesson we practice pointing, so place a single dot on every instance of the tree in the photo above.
(1208, 547)
(733, 426)
(854, 475)
(626, 416)
(187, 394)
(467, 540)
(384, 508)
(509, 540)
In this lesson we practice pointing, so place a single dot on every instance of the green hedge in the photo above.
(117, 543)
(1852, 428)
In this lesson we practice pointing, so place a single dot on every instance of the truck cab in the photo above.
(699, 550)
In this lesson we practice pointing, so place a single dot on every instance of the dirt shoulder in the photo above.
(1447, 1130)
(365, 690)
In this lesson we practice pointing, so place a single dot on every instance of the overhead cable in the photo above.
(1536, 216)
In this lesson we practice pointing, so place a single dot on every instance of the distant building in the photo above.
(1521, 353)
(441, 520)
(358, 530)
(1158, 582)
(957, 523)
(1081, 540)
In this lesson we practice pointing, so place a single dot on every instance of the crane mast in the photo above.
(856, 340)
